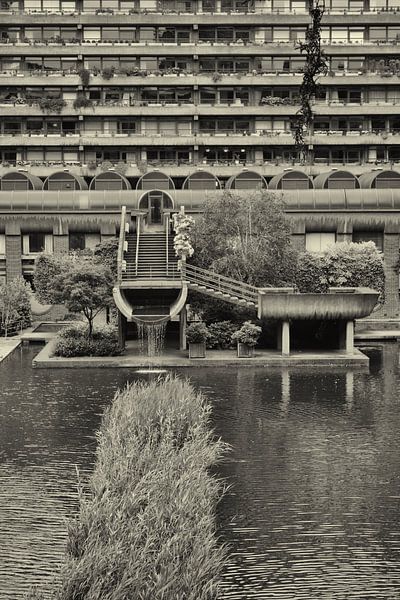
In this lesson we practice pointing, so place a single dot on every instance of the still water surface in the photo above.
(314, 505)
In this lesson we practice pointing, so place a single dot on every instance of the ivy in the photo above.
(315, 65)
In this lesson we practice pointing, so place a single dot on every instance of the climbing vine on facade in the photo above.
(315, 65)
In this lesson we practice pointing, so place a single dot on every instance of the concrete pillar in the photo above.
(13, 251)
(298, 238)
(283, 341)
(122, 325)
(391, 307)
(107, 231)
(182, 328)
(60, 238)
(344, 232)
(349, 338)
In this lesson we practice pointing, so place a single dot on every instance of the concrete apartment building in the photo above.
(154, 104)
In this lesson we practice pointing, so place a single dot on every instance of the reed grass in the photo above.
(146, 525)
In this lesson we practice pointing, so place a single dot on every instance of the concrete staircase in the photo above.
(152, 257)
(221, 287)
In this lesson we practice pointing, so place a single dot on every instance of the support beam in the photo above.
(285, 338)
(349, 337)
(182, 328)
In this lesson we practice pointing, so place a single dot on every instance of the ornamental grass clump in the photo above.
(146, 526)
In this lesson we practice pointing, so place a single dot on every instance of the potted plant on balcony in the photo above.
(196, 336)
(246, 338)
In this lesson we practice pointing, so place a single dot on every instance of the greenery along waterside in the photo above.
(146, 525)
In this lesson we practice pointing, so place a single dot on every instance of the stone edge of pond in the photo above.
(45, 360)
(7, 347)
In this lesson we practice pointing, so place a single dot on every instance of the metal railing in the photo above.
(120, 257)
(220, 283)
(138, 226)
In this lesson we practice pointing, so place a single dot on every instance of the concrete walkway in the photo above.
(8, 345)
(171, 358)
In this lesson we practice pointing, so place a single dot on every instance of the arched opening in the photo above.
(247, 180)
(64, 181)
(336, 180)
(201, 180)
(109, 180)
(291, 180)
(156, 203)
(380, 180)
(155, 180)
(16, 181)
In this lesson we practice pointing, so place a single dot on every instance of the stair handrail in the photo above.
(138, 225)
(167, 242)
(223, 288)
(121, 242)
(220, 278)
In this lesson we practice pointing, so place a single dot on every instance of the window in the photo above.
(319, 241)
(76, 241)
(37, 242)
(369, 236)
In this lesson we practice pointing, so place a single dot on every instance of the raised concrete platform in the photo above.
(215, 358)
(7, 346)
(384, 334)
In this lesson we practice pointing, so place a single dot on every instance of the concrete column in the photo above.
(107, 231)
(349, 337)
(60, 238)
(182, 328)
(122, 325)
(284, 338)
(13, 251)
(344, 232)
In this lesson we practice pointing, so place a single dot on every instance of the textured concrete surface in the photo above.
(8, 345)
(176, 358)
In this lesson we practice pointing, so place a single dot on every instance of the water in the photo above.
(314, 507)
(151, 337)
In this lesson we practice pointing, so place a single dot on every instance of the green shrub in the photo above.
(146, 527)
(248, 334)
(197, 332)
(341, 265)
(74, 341)
(220, 335)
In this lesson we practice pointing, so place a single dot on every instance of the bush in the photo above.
(146, 527)
(197, 332)
(74, 341)
(220, 335)
(341, 265)
(248, 334)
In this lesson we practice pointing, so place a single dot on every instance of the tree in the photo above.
(86, 288)
(247, 237)
(81, 282)
(15, 308)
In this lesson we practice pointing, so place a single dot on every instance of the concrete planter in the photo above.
(244, 350)
(197, 350)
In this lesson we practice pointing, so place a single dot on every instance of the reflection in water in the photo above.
(313, 511)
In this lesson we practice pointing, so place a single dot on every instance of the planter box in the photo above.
(197, 350)
(245, 351)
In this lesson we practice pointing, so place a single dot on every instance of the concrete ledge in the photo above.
(214, 358)
(7, 346)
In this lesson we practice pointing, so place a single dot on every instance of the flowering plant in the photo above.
(248, 334)
(182, 226)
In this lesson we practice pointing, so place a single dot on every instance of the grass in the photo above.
(146, 526)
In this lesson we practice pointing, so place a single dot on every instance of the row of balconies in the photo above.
(250, 43)
(264, 138)
(63, 78)
(168, 16)
(138, 49)
(148, 109)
